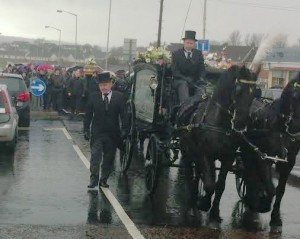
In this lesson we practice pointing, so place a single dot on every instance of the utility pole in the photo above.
(160, 22)
(204, 19)
(107, 42)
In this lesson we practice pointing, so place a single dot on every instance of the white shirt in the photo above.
(109, 96)
(186, 54)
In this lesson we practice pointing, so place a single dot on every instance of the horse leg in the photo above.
(207, 168)
(284, 171)
(220, 187)
(189, 179)
(267, 186)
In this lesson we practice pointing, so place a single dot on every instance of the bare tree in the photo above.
(235, 38)
(247, 40)
(282, 42)
(253, 39)
(257, 38)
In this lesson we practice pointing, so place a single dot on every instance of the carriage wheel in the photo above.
(239, 178)
(201, 191)
(152, 164)
(130, 140)
(240, 186)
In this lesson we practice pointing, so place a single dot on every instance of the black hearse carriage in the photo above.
(149, 109)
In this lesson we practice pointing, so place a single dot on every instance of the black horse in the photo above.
(208, 135)
(282, 117)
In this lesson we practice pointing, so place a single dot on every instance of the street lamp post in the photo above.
(59, 41)
(76, 16)
(108, 32)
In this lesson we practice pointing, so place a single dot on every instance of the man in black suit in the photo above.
(103, 112)
(187, 67)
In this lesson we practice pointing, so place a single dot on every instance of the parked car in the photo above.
(272, 94)
(8, 120)
(20, 94)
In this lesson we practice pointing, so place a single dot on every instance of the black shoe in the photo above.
(92, 185)
(103, 185)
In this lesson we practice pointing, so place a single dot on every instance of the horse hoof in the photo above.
(276, 229)
(276, 221)
(214, 225)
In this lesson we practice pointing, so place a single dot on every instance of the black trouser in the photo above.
(48, 99)
(103, 151)
(57, 99)
(75, 101)
(185, 90)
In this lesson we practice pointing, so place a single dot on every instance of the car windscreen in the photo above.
(13, 84)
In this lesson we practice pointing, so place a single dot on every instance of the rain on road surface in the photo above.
(43, 194)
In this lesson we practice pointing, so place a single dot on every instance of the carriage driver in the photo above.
(188, 67)
(104, 110)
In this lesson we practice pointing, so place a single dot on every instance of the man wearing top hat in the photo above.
(187, 67)
(103, 112)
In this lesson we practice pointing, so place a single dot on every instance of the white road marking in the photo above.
(64, 130)
(128, 223)
(81, 156)
(66, 133)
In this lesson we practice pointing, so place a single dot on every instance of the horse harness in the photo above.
(240, 133)
(205, 126)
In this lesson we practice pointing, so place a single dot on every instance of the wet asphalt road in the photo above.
(43, 194)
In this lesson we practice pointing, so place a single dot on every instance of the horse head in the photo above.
(243, 93)
(290, 107)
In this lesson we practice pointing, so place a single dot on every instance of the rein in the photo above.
(294, 136)
(260, 154)
(191, 125)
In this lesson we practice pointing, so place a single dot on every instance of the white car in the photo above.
(8, 120)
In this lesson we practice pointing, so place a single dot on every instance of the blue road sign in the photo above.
(203, 45)
(38, 87)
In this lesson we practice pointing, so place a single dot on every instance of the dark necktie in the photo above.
(106, 101)
(189, 56)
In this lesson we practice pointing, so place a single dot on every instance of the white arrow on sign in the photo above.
(39, 87)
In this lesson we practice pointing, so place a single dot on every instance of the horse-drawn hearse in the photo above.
(224, 122)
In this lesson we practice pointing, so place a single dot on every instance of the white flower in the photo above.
(150, 48)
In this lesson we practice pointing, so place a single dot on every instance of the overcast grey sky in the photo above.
(139, 19)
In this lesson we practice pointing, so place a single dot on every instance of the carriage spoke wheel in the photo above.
(152, 164)
(240, 186)
(201, 192)
(130, 140)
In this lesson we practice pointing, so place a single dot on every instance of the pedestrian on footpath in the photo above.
(75, 92)
(57, 91)
(103, 113)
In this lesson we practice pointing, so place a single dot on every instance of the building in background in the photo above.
(282, 64)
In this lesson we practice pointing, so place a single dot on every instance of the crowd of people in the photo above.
(67, 89)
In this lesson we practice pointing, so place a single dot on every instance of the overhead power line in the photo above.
(259, 5)
(186, 19)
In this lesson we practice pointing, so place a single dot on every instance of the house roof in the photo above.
(291, 54)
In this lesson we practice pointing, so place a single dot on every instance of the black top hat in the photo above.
(103, 77)
(191, 35)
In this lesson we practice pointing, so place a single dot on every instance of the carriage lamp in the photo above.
(153, 82)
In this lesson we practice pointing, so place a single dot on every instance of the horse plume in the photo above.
(265, 48)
